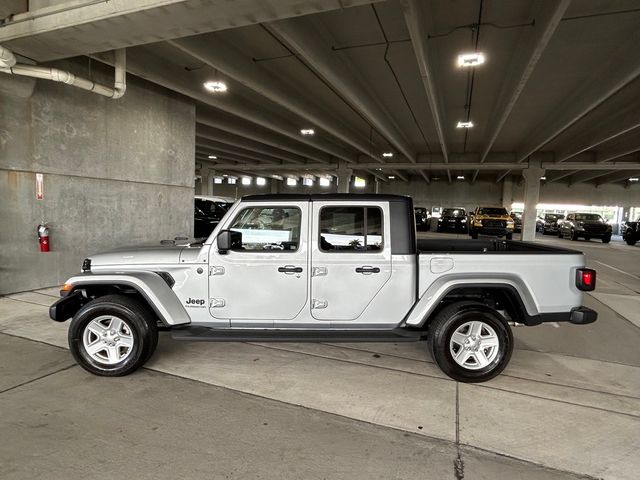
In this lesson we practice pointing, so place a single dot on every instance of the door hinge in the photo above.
(216, 271)
(216, 302)
(318, 304)
(319, 271)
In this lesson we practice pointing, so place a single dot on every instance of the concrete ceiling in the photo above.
(561, 83)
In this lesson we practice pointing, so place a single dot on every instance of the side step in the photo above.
(206, 334)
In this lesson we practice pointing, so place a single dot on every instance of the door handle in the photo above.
(367, 270)
(290, 269)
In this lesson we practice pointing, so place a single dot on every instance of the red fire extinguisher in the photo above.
(43, 237)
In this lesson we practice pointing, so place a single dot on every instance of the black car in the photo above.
(208, 211)
(517, 221)
(423, 218)
(585, 225)
(549, 224)
(453, 220)
(631, 234)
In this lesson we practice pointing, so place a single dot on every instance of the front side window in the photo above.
(351, 229)
(268, 228)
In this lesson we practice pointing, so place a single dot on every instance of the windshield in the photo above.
(208, 207)
(453, 212)
(582, 217)
(492, 211)
(551, 217)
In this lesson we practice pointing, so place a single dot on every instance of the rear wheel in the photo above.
(606, 239)
(113, 335)
(630, 240)
(470, 342)
(474, 235)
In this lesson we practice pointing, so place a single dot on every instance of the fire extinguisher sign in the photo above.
(39, 186)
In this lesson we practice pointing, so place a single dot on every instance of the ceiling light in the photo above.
(392, 177)
(307, 131)
(261, 181)
(324, 182)
(307, 182)
(212, 157)
(470, 59)
(460, 177)
(231, 180)
(464, 125)
(292, 182)
(217, 180)
(633, 179)
(215, 86)
(387, 154)
(543, 178)
(359, 182)
(379, 169)
(246, 180)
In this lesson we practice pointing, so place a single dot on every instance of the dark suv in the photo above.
(585, 225)
(549, 224)
(208, 211)
(423, 218)
(631, 234)
(453, 220)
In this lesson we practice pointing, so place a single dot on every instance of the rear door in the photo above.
(351, 257)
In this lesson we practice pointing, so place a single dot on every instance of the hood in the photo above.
(144, 255)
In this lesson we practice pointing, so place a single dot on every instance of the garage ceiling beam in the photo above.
(602, 157)
(237, 66)
(241, 142)
(81, 27)
(301, 36)
(205, 148)
(235, 126)
(547, 19)
(560, 176)
(585, 177)
(415, 18)
(618, 177)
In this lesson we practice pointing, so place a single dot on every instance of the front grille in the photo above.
(494, 223)
(595, 228)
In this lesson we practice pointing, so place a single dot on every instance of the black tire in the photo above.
(474, 235)
(509, 236)
(445, 323)
(139, 319)
(587, 238)
(574, 235)
(630, 241)
(606, 239)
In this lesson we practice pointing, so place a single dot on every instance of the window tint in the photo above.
(268, 228)
(492, 211)
(351, 229)
(588, 217)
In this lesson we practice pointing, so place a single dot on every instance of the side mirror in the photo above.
(228, 240)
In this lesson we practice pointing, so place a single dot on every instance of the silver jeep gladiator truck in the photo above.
(322, 268)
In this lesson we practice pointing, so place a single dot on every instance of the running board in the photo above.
(206, 334)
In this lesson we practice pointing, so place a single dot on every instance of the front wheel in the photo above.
(606, 239)
(574, 235)
(113, 335)
(474, 235)
(470, 342)
(630, 240)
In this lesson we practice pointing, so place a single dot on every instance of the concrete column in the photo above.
(377, 185)
(274, 186)
(207, 181)
(507, 192)
(531, 176)
(344, 177)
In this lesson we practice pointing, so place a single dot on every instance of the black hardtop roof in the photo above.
(318, 197)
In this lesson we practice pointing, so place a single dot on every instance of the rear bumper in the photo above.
(577, 316)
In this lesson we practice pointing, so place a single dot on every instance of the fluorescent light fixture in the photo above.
(261, 181)
(460, 177)
(464, 125)
(246, 180)
(392, 177)
(308, 182)
(633, 179)
(292, 182)
(359, 182)
(324, 182)
(471, 59)
(387, 154)
(379, 169)
(212, 157)
(215, 86)
(231, 180)
(307, 131)
(543, 178)
(217, 180)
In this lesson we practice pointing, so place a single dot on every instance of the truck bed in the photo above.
(490, 245)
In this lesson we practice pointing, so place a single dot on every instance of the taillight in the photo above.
(586, 279)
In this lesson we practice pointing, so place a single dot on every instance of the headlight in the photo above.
(439, 220)
(477, 223)
(464, 220)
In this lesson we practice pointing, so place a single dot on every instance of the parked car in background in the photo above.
(423, 218)
(208, 211)
(585, 225)
(491, 221)
(517, 221)
(453, 220)
(549, 223)
(632, 232)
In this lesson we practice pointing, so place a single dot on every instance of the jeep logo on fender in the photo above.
(195, 301)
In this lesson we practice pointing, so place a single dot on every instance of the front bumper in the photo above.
(66, 307)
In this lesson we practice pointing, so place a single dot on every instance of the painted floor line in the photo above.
(618, 270)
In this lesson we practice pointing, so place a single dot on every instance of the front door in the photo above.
(351, 259)
(265, 276)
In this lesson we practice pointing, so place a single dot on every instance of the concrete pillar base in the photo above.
(344, 177)
(531, 176)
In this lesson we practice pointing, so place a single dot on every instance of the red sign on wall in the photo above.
(39, 186)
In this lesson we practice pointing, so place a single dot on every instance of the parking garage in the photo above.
(118, 120)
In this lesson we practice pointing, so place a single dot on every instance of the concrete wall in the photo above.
(586, 194)
(116, 172)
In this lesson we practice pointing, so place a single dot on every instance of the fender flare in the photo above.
(153, 288)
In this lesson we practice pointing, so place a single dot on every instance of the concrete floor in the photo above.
(568, 406)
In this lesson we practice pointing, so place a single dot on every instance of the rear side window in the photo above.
(268, 228)
(351, 229)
